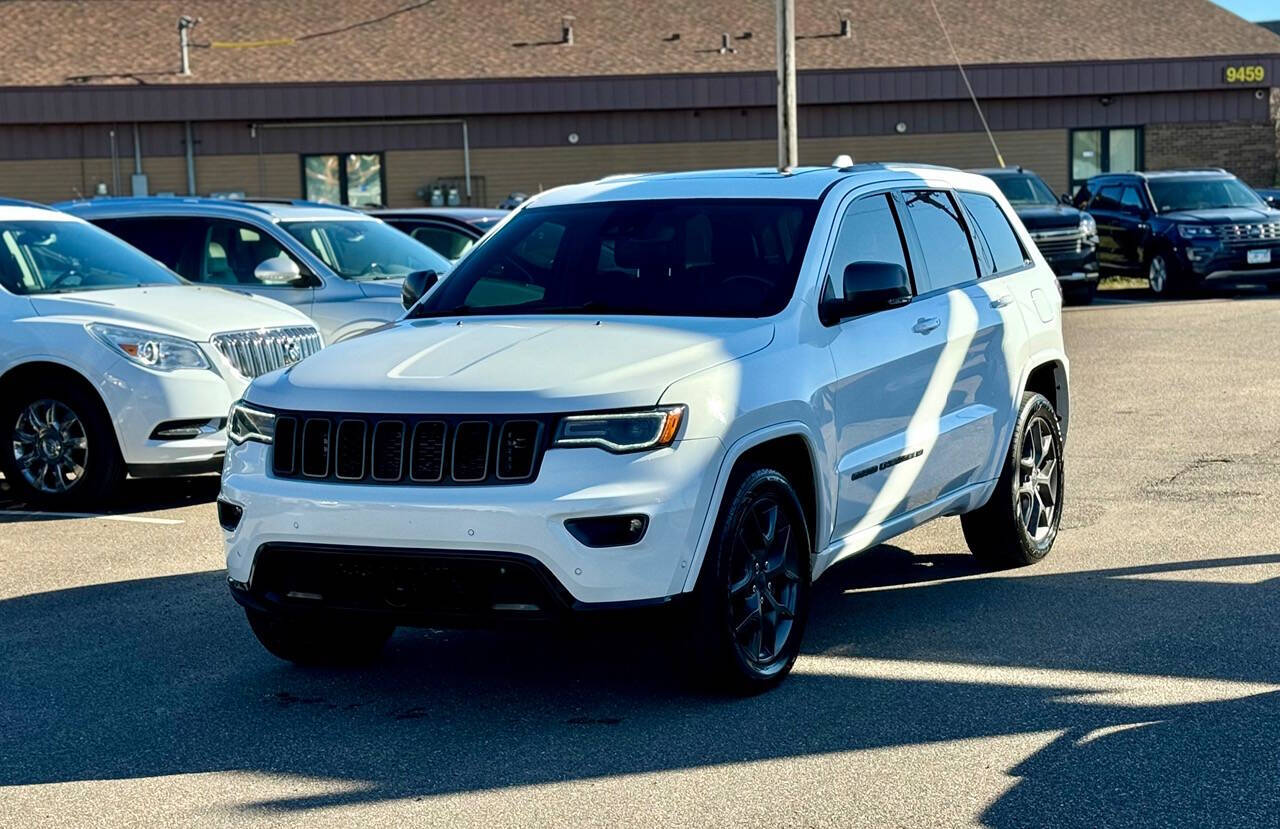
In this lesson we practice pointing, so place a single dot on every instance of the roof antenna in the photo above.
(566, 30)
(846, 23)
(843, 161)
(185, 24)
(725, 48)
(965, 77)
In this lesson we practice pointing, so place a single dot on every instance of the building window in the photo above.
(356, 179)
(1105, 150)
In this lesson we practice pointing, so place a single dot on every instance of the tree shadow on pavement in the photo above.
(161, 676)
(134, 496)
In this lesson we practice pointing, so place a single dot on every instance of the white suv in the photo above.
(112, 365)
(703, 387)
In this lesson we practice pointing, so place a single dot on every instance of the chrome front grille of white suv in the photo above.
(257, 352)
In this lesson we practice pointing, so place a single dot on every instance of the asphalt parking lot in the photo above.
(1132, 679)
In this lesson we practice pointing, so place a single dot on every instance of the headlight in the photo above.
(149, 349)
(1196, 232)
(621, 431)
(1088, 226)
(247, 423)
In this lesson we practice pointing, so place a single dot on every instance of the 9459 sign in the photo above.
(1250, 73)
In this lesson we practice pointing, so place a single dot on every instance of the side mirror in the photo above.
(1065, 199)
(279, 270)
(1272, 201)
(416, 284)
(868, 287)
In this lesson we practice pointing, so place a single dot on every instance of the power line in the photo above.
(965, 77)
(289, 41)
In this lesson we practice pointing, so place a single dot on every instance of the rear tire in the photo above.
(752, 598)
(1081, 295)
(1018, 525)
(59, 448)
(309, 640)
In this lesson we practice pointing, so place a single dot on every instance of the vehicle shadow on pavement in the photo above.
(134, 496)
(161, 676)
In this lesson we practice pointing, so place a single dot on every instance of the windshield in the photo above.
(713, 258)
(48, 257)
(1025, 190)
(365, 249)
(1201, 194)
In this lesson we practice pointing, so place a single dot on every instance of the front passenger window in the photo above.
(869, 232)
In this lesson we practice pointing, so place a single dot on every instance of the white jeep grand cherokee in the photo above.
(704, 387)
(111, 364)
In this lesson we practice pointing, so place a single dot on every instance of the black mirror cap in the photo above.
(415, 285)
(868, 287)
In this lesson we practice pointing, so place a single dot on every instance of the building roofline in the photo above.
(259, 102)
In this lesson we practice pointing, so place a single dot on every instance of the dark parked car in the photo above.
(450, 231)
(1183, 228)
(1270, 195)
(1067, 237)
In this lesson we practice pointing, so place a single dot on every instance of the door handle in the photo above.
(926, 324)
(1002, 301)
(1142, 225)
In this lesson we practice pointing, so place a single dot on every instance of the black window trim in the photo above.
(342, 172)
(1027, 262)
(973, 252)
(905, 236)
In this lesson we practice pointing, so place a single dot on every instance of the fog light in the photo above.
(229, 515)
(608, 531)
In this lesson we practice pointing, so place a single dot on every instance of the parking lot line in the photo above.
(134, 519)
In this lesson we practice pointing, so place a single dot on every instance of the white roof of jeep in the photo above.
(21, 212)
(759, 183)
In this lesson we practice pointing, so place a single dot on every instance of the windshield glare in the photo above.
(713, 258)
(365, 248)
(1201, 194)
(46, 257)
(1025, 190)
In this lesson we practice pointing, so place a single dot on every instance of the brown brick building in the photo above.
(388, 100)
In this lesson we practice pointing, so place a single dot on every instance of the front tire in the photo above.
(309, 640)
(1018, 526)
(59, 447)
(1165, 276)
(1081, 294)
(752, 599)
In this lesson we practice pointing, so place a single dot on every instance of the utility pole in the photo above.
(787, 153)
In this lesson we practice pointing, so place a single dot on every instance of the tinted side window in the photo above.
(161, 239)
(1131, 200)
(1108, 198)
(446, 241)
(869, 232)
(993, 224)
(947, 252)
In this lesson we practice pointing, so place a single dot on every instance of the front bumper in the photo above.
(1075, 267)
(1216, 261)
(673, 487)
(140, 400)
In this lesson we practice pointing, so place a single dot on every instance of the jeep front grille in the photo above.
(418, 450)
(253, 353)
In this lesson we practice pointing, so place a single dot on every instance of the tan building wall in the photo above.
(497, 172)
(501, 171)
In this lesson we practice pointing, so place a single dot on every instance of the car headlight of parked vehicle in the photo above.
(247, 423)
(1196, 232)
(621, 431)
(1088, 227)
(147, 348)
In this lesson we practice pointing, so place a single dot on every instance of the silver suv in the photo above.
(341, 267)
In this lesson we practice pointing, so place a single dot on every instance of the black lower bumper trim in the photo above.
(174, 470)
(422, 588)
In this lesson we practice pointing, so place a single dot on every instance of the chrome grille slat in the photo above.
(1053, 242)
(1249, 233)
(254, 353)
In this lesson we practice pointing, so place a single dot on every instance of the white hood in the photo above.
(189, 311)
(496, 365)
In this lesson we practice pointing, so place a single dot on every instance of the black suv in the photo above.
(1181, 228)
(1067, 237)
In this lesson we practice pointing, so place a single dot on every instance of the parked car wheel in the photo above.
(59, 447)
(752, 599)
(1018, 525)
(1165, 276)
(319, 641)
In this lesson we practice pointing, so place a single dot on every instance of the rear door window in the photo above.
(948, 253)
(993, 226)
